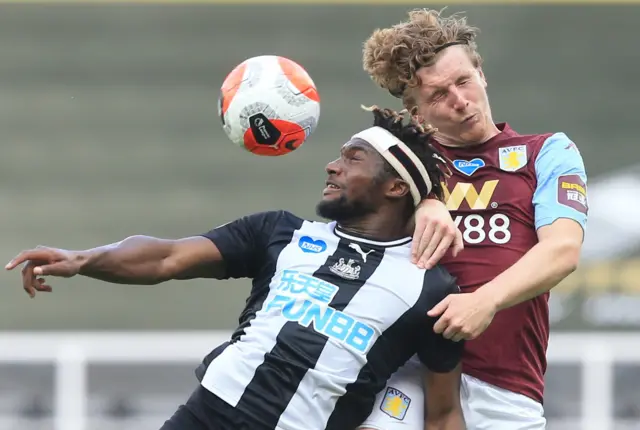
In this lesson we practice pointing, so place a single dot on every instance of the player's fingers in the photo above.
(28, 279)
(17, 260)
(430, 231)
(458, 337)
(41, 285)
(439, 308)
(418, 232)
(436, 250)
(430, 246)
(450, 332)
(454, 327)
(37, 254)
(61, 268)
(458, 243)
(441, 325)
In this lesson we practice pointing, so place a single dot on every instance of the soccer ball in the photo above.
(269, 105)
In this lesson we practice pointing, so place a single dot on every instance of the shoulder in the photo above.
(541, 145)
(258, 226)
(557, 155)
(268, 219)
(558, 143)
(551, 141)
(275, 215)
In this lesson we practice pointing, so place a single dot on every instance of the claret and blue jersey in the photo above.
(504, 190)
(500, 194)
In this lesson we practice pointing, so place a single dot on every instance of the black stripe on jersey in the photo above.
(298, 348)
(387, 355)
(260, 286)
(259, 289)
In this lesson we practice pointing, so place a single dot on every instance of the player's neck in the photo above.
(378, 228)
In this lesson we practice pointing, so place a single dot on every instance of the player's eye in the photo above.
(353, 154)
(437, 96)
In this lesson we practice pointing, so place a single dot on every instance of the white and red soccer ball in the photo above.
(269, 105)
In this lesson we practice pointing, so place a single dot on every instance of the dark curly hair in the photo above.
(416, 135)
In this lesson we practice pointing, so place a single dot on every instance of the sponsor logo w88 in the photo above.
(476, 230)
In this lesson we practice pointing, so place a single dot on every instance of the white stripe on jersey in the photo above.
(231, 372)
(323, 385)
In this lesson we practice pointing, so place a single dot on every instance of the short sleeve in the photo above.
(243, 242)
(437, 353)
(561, 190)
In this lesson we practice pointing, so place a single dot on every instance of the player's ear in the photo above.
(397, 189)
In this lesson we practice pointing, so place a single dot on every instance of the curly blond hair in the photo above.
(391, 56)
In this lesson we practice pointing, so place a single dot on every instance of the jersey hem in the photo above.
(551, 220)
(532, 393)
(544, 221)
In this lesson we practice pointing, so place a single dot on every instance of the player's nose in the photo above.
(333, 167)
(460, 102)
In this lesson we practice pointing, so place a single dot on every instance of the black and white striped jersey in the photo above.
(330, 317)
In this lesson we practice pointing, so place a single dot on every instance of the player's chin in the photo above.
(473, 133)
(331, 197)
(330, 207)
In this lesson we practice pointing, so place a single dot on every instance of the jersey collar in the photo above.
(338, 231)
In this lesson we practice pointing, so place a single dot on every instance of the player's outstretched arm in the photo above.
(233, 250)
(140, 260)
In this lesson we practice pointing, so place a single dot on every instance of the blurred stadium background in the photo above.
(110, 128)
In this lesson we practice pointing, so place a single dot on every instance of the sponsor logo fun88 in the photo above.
(305, 299)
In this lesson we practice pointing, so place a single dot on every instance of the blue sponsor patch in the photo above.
(307, 244)
(468, 167)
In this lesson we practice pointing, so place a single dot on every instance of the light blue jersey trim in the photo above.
(558, 156)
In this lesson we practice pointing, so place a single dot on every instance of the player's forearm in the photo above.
(451, 419)
(137, 260)
(537, 272)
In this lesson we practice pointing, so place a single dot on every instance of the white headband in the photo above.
(401, 158)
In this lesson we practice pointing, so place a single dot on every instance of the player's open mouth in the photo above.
(469, 119)
(331, 187)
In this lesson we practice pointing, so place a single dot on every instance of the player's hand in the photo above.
(43, 261)
(434, 234)
(463, 316)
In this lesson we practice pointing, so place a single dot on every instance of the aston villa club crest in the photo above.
(512, 158)
(395, 403)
